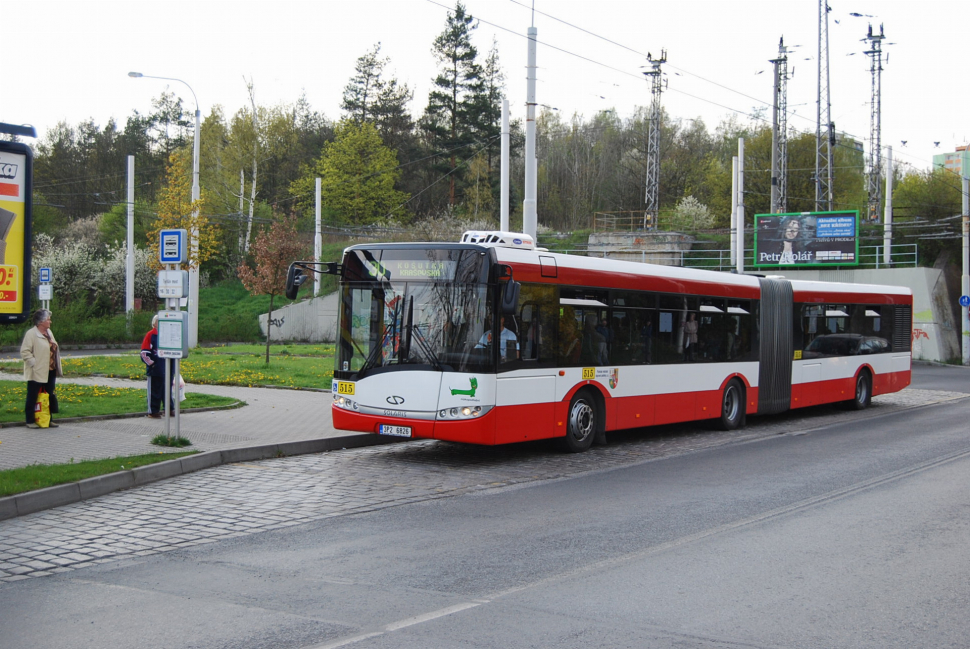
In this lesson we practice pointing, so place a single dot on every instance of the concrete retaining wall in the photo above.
(665, 248)
(312, 321)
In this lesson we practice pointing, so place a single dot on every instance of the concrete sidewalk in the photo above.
(271, 416)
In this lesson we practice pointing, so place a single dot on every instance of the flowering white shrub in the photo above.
(74, 269)
(448, 227)
(85, 272)
(691, 214)
(111, 276)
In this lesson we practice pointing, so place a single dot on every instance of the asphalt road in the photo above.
(851, 533)
(933, 376)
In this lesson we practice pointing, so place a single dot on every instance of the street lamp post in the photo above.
(194, 234)
(965, 279)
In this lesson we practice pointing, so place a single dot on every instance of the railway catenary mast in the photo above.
(652, 198)
(779, 148)
(825, 129)
(874, 159)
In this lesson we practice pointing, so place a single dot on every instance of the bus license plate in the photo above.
(395, 431)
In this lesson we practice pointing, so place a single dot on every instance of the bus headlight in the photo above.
(465, 412)
(344, 403)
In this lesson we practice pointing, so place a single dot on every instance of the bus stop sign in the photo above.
(171, 248)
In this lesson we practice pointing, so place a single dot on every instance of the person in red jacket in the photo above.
(155, 371)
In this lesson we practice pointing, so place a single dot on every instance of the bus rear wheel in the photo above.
(732, 405)
(580, 424)
(863, 391)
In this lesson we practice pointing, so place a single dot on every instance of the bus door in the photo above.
(525, 390)
(583, 352)
(631, 352)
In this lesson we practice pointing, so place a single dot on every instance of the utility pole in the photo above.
(887, 236)
(779, 133)
(317, 234)
(875, 124)
(734, 212)
(130, 253)
(652, 198)
(504, 174)
(530, 217)
(825, 130)
(739, 210)
(965, 282)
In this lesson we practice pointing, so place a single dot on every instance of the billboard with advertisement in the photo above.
(16, 167)
(806, 239)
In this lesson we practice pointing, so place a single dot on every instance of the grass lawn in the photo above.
(93, 400)
(295, 366)
(39, 476)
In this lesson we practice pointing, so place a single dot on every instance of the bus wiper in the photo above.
(414, 333)
(428, 351)
(406, 346)
(375, 353)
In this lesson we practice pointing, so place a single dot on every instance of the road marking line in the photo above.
(427, 617)
(403, 624)
(347, 641)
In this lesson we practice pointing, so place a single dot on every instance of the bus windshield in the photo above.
(404, 311)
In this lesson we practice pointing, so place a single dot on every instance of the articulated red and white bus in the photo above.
(492, 341)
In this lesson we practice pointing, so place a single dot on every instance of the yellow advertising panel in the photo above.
(15, 168)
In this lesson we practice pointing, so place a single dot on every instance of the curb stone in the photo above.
(126, 415)
(30, 502)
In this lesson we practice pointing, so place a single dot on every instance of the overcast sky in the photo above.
(69, 60)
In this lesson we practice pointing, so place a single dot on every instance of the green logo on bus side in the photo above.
(470, 393)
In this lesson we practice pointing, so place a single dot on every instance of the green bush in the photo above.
(79, 323)
(227, 313)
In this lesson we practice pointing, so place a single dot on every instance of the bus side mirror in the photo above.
(299, 272)
(294, 279)
(510, 298)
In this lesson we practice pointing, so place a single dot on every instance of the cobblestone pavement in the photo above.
(246, 498)
(270, 416)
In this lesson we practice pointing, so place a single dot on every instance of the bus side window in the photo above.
(529, 340)
(536, 323)
(569, 347)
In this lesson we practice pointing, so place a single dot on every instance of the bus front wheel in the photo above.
(581, 424)
(732, 406)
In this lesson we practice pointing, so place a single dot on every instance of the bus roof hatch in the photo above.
(500, 239)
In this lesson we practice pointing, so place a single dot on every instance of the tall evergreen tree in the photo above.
(371, 96)
(360, 94)
(488, 105)
(448, 118)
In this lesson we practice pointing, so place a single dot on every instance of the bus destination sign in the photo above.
(405, 269)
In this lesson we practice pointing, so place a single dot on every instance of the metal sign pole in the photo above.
(177, 380)
(173, 284)
(965, 281)
(168, 374)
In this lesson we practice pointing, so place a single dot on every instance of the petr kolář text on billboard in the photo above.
(806, 239)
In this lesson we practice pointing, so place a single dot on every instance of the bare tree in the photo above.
(273, 250)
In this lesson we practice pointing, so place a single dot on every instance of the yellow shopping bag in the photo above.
(42, 411)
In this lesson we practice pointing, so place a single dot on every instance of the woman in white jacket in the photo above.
(42, 364)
